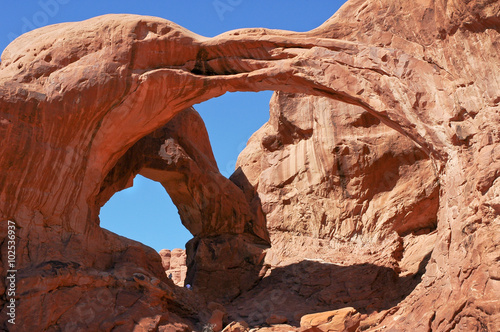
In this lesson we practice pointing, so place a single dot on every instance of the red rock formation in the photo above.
(328, 170)
(174, 263)
(212, 208)
(347, 210)
(76, 97)
(346, 319)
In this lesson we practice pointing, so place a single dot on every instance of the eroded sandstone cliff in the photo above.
(377, 172)
(344, 196)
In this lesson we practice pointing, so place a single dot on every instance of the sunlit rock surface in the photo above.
(402, 228)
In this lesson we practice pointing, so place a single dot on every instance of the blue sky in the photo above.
(145, 212)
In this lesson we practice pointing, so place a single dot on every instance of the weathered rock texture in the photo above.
(328, 170)
(174, 263)
(346, 319)
(351, 207)
(76, 98)
(212, 208)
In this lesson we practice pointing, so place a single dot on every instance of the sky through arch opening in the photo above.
(145, 212)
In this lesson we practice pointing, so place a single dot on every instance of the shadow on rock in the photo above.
(312, 286)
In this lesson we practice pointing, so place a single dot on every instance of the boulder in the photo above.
(240, 326)
(276, 319)
(342, 320)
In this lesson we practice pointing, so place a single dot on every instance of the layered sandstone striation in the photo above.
(174, 263)
(211, 207)
(412, 214)
(351, 207)
(328, 170)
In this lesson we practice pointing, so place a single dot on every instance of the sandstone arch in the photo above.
(73, 105)
(211, 207)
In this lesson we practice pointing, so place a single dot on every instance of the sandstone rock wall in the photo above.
(75, 98)
(330, 170)
(351, 206)
(174, 263)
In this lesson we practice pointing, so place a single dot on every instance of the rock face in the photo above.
(212, 208)
(324, 169)
(174, 263)
(351, 208)
(412, 216)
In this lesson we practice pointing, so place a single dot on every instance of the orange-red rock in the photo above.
(361, 184)
(276, 319)
(174, 263)
(76, 98)
(216, 321)
(213, 209)
(342, 320)
(236, 327)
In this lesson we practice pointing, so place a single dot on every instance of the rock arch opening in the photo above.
(212, 207)
(145, 213)
(230, 121)
(357, 165)
(180, 160)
